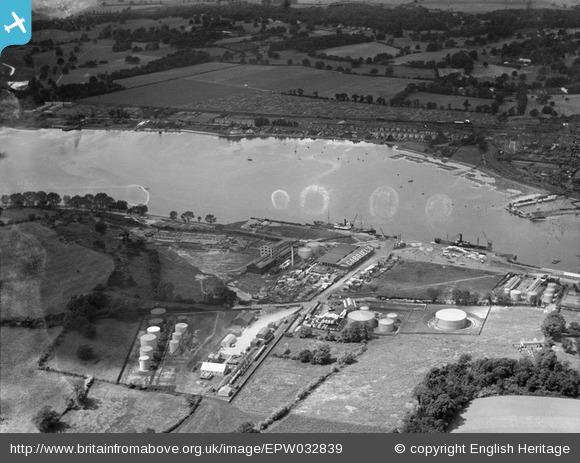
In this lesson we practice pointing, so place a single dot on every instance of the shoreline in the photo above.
(402, 150)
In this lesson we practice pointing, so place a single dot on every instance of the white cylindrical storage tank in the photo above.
(365, 307)
(386, 325)
(149, 340)
(155, 330)
(304, 252)
(515, 295)
(315, 246)
(393, 316)
(173, 345)
(451, 319)
(176, 336)
(144, 363)
(156, 322)
(547, 297)
(146, 350)
(158, 312)
(362, 317)
(180, 327)
(552, 285)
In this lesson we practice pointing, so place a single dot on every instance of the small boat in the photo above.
(250, 159)
(556, 261)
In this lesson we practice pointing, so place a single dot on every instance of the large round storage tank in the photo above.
(451, 319)
(304, 252)
(393, 316)
(148, 340)
(173, 345)
(515, 295)
(158, 312)
(362, 317)
(154, 330)
(146, 350)
(156, 322)
(144, 363)
(180, 327)
(316, 247)
(386, 325)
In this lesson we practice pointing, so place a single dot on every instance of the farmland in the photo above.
(520, 414)
(23, 388)
(361, 50)
(110, 346)
(40, 273)
(118, 409)
(191, 87)
(216, 416)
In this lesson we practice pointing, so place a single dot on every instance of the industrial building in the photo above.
(346, 256)
(209, 369)
(270, 255)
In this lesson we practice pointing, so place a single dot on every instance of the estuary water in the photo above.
(295, 180)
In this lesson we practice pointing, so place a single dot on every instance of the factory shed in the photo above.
(336, 254)
(219, 369)
(244, 319)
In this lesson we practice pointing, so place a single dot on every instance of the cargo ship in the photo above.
(461, 243)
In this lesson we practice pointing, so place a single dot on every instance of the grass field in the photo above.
(111, 345)
(528, 414)
(377, 390)
(40, 273)
(216, 416)
(362, 50)
(448, 101)
(413, 279)
(193, 86)
(277, 382)
(23, 388)
(118, 409)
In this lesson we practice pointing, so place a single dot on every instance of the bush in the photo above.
(47, 420)
(246, 427)
(321, 355)
(304, 332)
(305, 356)
(348, 358)
(86, 352)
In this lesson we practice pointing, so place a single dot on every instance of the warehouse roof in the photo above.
(336, 254)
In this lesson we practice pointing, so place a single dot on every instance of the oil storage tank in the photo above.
(362, 318)
(304, 252)
(316, 247)
(386, 325)
(451, 319)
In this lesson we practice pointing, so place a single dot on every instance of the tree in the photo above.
(347, 358)
(434, 293)
(554, 325)
(304, 332)
(53, 199)
(246, 427)
(173, 215)
(80, 396)
(188, 215)
(210, 218)
(466, 104)
(85, 352)
(101, 227)
(305, 356)
(47, 420)
(321, 355)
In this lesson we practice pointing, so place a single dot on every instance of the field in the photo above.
(277, 381)
(182, 275)
(413, 279)
(565, 105)
(194, 87)
(529, 414)
(216, 416)
(40, 273)
(361, 50)
(23, 388)
(118, 409)
(111, 345)
(448, 101)
(377, 390)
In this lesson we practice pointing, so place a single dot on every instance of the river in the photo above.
(297, 180)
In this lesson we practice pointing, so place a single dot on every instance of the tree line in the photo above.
(446, 390)
(51, 200)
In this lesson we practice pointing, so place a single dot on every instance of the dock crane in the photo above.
(489, 243)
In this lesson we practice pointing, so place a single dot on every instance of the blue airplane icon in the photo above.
(15, 22)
